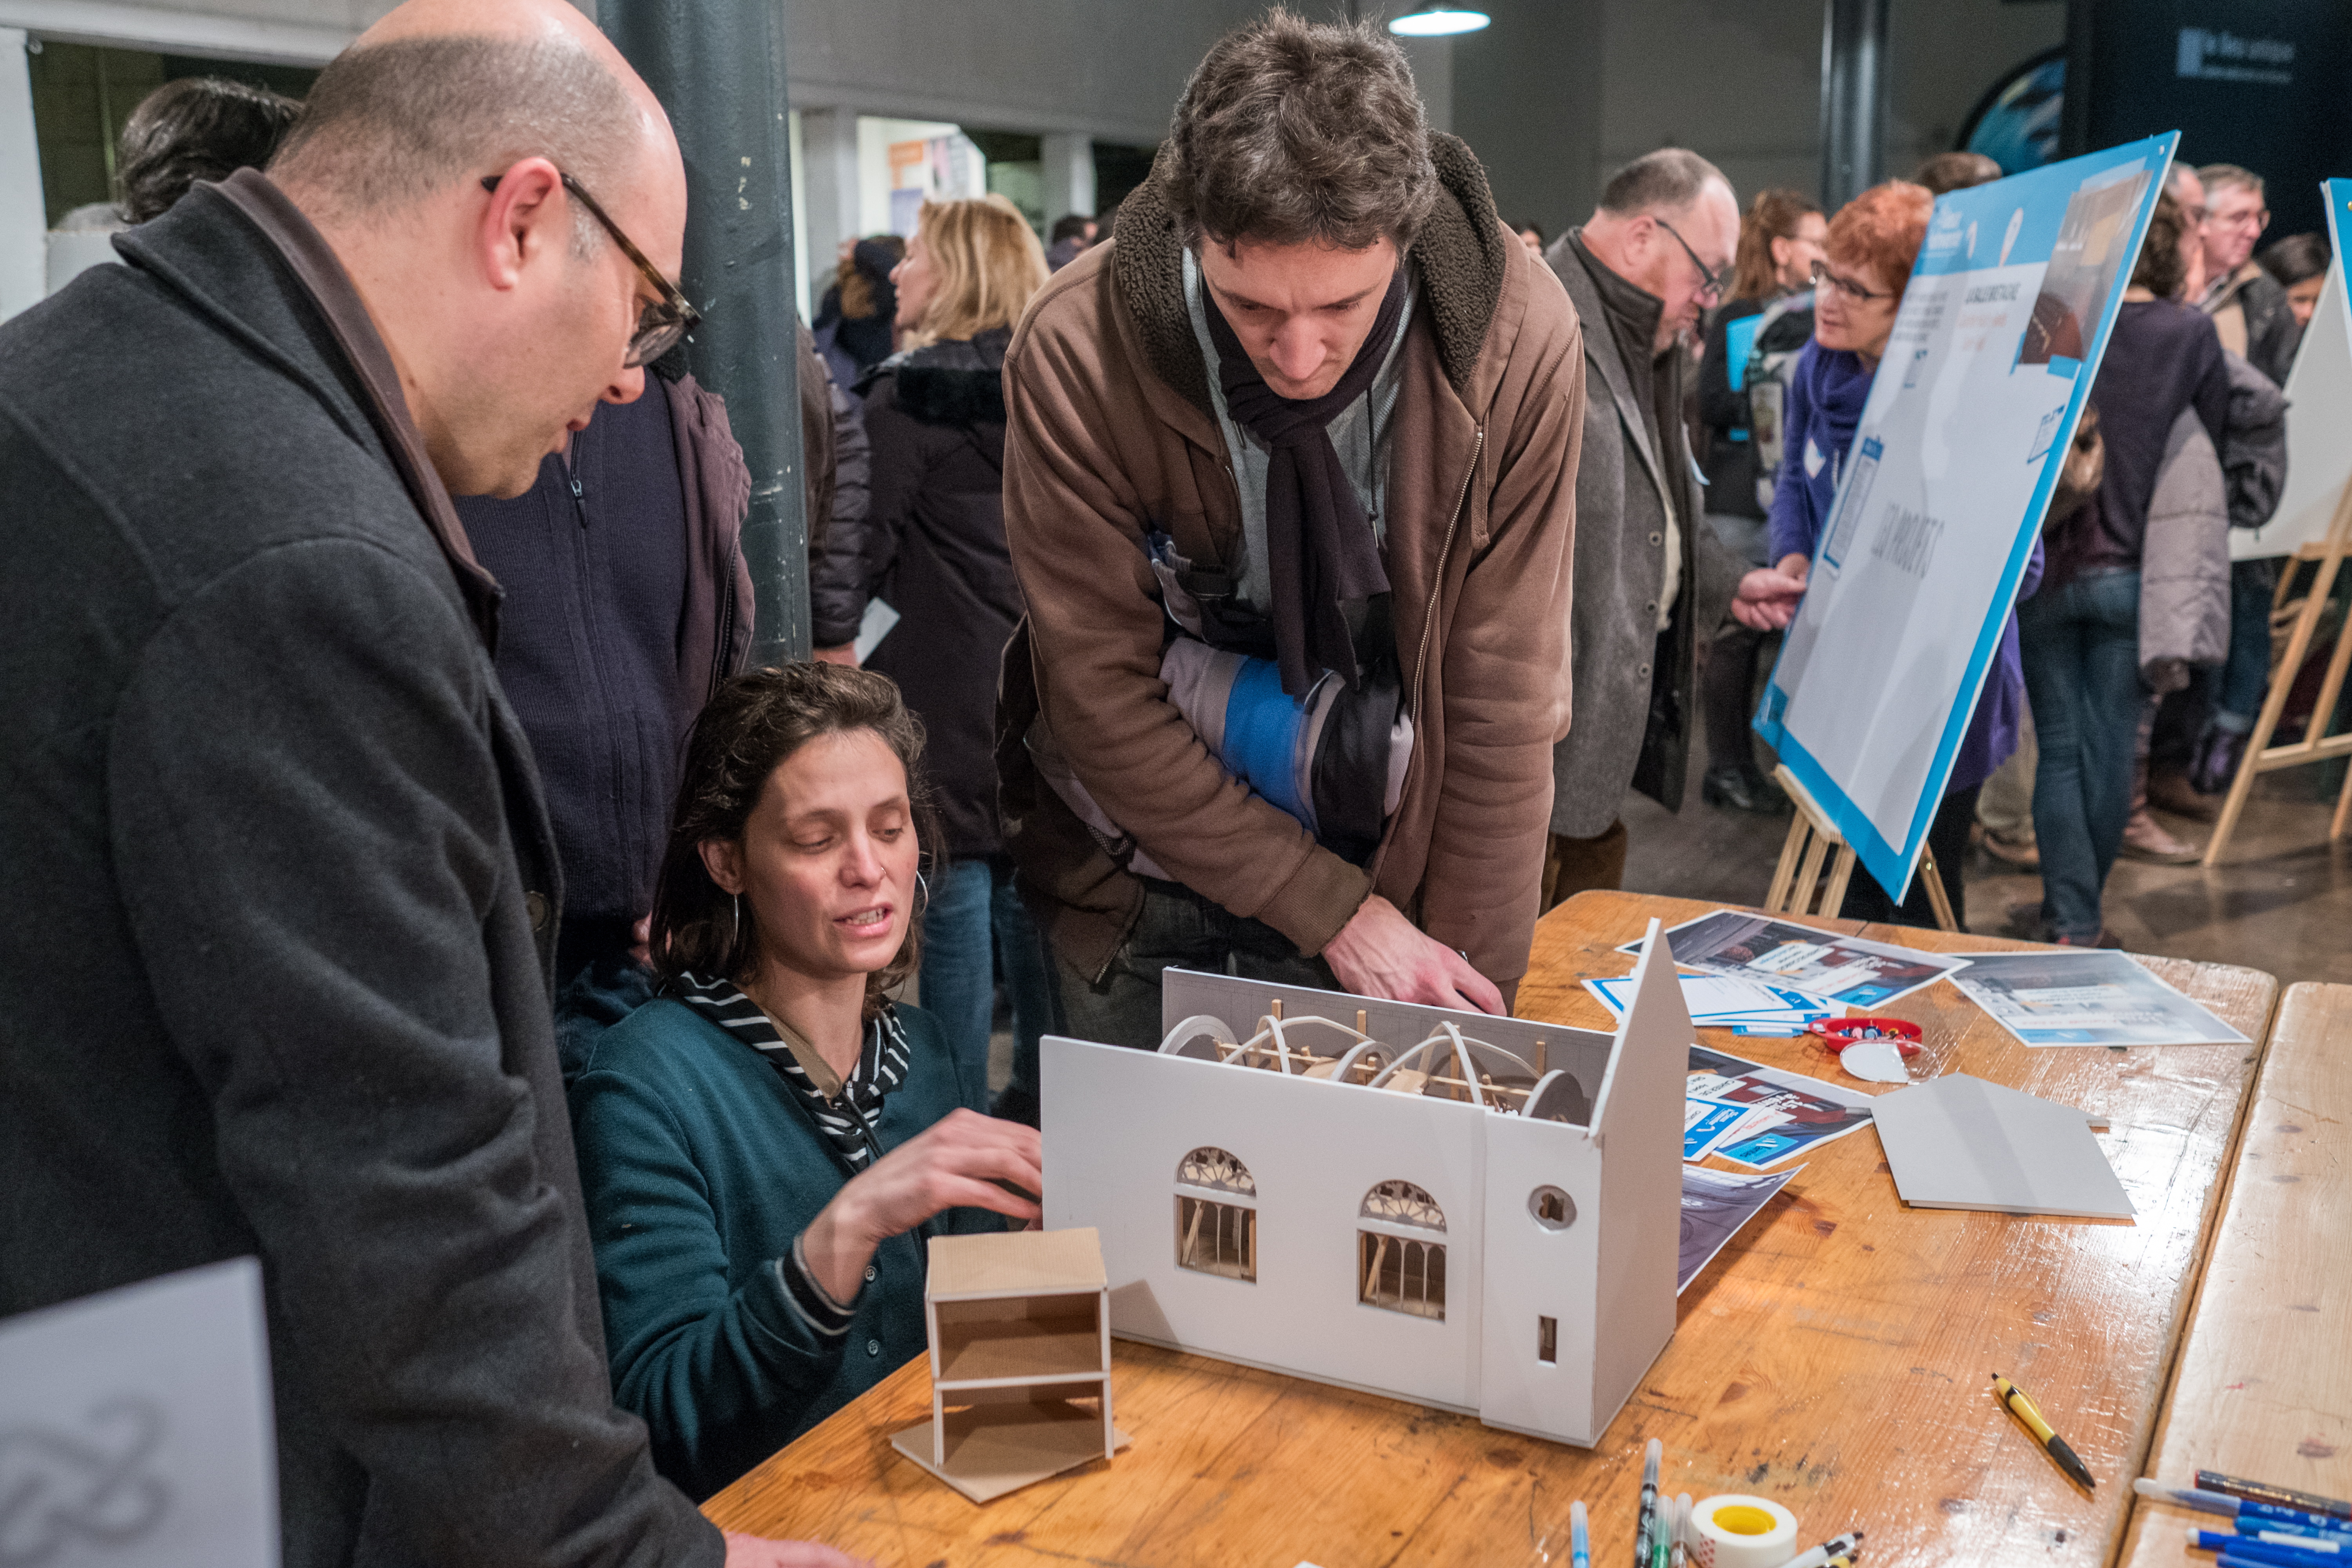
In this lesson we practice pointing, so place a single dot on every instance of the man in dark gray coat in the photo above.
(1651, 581)
(280, 892)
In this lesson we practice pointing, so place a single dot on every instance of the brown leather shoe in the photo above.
(2025, 857)
(2172, 792)
(2146, 839)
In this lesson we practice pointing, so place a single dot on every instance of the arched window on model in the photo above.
(1401, 1251)
(1217, 1215)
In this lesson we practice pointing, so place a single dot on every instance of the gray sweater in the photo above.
(274, 859)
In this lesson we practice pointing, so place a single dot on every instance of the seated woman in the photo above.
(1873, 242)
(766, 1148)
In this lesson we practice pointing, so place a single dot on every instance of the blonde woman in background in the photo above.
(933, 548)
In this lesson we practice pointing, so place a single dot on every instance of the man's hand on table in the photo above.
(1379, 953)
(756, 1552)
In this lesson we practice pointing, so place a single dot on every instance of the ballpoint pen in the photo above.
(1828, 1552)
(2278, 1497)
(2288, 1551)
(2023, 1408)
(1579, 1539)
(1647, 1522)
(2262, 1515)
(1680, 1555)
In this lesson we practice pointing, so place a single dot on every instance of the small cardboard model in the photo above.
(1020, 1337)
(1475, 1213)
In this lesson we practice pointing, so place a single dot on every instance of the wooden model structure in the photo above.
(1020, 1328)
(2315, 744)
(1475, 1213)
(1799, 885)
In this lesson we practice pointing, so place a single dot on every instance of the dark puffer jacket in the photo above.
(932, 547)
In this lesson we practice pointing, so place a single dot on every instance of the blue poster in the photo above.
(1970, 416)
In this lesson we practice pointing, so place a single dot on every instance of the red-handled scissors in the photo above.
(1839, 1033)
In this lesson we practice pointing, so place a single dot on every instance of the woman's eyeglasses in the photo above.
(663, 321)
(1825, 278)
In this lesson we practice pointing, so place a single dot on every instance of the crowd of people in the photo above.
(417, 887)
(2131, 619)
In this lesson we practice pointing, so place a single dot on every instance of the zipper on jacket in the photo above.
(1437, 581)
(722, 661)
(579, 500)
(1428, 625)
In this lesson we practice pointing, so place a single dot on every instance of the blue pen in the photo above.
(2267, 1515)
(2245, 1554)
(2258, 1550)
(1579, 1543)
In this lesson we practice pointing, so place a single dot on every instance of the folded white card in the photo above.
(1958, 1142)
(135, 1427)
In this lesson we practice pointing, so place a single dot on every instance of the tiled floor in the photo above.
(2281, 904)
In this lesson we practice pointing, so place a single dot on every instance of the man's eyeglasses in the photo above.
(663, 321)
(1710, 281)
(1825, 278)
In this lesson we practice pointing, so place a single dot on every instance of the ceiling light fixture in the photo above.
(1438, 19)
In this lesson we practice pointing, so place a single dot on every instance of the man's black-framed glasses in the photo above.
(1710, 281)
(1824, 278)
(663, 321)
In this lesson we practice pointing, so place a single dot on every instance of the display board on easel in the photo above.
(1952, 468)
(2314, 522)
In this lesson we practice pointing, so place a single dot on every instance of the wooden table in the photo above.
(1836, 1356)
(2264, 1384)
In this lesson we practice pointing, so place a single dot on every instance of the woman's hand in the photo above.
(955, 1162)
(1768, 596)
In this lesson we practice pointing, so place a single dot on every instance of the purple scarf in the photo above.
(1319, 548)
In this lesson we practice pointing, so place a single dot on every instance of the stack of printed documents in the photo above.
(1745, 1007)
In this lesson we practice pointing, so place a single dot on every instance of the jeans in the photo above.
(974, 925)
(2246, 679)
(1178, 928)
(2081, 645)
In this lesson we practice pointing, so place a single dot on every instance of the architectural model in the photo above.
(1020, 1333)
(1475, 1213)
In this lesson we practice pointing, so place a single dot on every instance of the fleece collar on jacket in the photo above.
(1460, 252)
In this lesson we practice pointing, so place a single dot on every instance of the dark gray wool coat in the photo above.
(272, 846)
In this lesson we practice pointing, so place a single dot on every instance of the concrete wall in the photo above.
(1559, 92)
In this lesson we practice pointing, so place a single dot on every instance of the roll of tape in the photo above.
(1735, 1531)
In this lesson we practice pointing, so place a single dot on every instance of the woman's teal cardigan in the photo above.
(700, 1164)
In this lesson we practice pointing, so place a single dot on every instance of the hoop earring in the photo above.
(922, 898)
(735, 927)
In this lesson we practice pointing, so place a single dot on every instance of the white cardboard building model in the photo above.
(1020, 1360)
(1475, 1213)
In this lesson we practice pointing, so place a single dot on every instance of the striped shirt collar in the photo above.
(847, 1112)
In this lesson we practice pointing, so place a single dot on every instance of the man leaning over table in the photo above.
(283, 897)
(1289, 487)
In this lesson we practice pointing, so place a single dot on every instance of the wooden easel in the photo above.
(2316, 745)
(1798, 878)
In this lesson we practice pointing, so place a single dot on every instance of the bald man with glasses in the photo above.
(283, 897)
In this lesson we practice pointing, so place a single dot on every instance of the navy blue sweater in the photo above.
(592, 560)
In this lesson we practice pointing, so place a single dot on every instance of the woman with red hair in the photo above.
(1873, 241)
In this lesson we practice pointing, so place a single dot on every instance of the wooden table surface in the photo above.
(1836, 1356)
(2264, 1384)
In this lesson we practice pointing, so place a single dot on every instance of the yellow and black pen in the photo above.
(2023, 1408)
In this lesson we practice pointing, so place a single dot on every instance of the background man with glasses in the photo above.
(2249, 308)
(1651, 580)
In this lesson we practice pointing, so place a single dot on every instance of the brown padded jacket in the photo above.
(1111, 436)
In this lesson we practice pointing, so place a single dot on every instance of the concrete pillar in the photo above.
(829, 177)
(719, 71)
(24, 218)
(1853, 98)
(1069, 176)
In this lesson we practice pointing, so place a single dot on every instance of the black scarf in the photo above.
(851, 1120)
(1319, 549)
